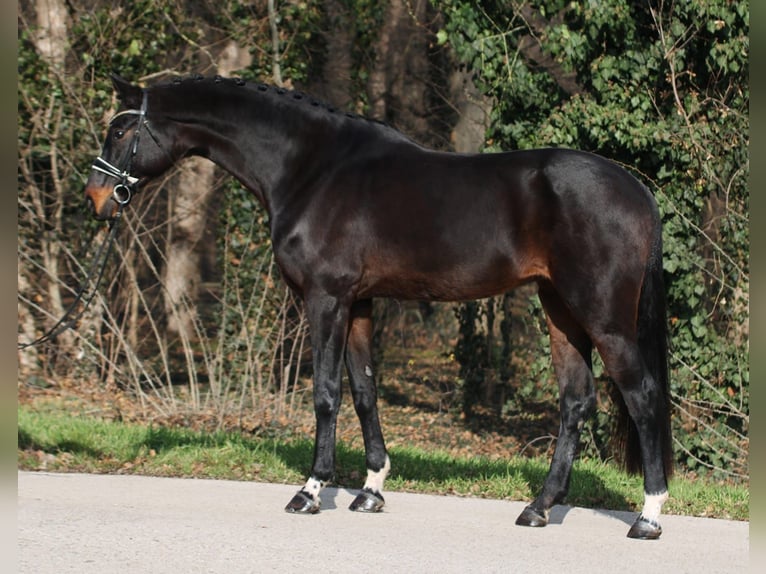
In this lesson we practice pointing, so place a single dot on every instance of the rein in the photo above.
(122, 194)
(96, 270)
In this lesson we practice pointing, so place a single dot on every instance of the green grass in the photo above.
(56, 441)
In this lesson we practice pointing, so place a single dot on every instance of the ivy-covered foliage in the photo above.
(663, 89)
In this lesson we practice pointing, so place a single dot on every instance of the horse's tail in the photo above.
(653, 344)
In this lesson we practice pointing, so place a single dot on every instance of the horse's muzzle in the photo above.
(101, 201)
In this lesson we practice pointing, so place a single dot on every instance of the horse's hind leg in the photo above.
(571, 353)
(643, 398)
(364, 392)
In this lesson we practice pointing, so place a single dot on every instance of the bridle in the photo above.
(123, 189)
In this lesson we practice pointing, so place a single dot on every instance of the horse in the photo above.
(357, 210)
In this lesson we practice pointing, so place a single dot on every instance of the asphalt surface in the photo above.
(133, 524)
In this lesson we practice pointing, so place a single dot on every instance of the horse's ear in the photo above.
(127, 93)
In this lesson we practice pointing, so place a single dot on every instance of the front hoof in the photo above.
(531, 517)
(367, 501)
(303, 503)
(644, 529)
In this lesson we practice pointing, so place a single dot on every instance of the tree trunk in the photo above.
(474, 110)
(530, 48)
(398, 84)
(50, 40)
(27, 357)
(335, 84)
(51, 33)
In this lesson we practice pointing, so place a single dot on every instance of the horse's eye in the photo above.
(118, 134)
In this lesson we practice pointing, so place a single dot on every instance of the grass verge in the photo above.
(63, 442)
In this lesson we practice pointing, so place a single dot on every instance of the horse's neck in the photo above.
(269, 153)
(257, 165)
(277, 149)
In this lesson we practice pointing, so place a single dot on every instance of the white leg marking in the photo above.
(375, 479)
(313, 487)
(653, 506)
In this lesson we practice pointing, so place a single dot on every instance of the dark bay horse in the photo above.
(357, 211)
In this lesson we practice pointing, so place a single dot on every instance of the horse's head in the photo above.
(135, 150)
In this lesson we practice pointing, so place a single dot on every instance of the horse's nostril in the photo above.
(93, 203)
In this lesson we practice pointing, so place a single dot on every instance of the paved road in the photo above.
(132, 524)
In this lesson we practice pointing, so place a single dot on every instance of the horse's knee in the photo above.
(641, 399)
(365, 402)
(326, 402)
(363, 389)
(584, 401)
(578, 403)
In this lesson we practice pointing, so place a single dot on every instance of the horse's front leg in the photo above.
(328, 323)
(362, 379)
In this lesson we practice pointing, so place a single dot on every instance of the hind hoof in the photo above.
(531, 517)
(367, 501)
(302, 503)
(644, 529)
